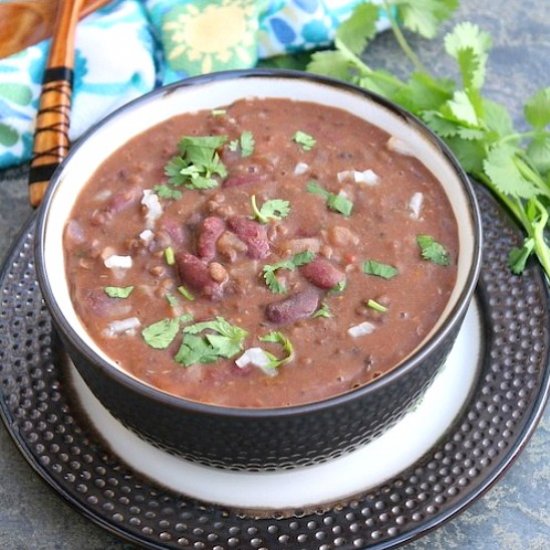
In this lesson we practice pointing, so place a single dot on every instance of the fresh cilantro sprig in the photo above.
(338, 203)
(514, 165)
(270, 271)
(274, 209)
(220, 339)
(197, 164)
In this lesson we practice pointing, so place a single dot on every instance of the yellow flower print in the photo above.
(211, 36)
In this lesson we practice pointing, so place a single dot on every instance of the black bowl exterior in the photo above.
(265, 439)
(269, 441)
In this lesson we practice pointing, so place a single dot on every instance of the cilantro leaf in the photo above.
(537, 109)
(538, 152)
(359, 29)
(197, 163)
(118, 291)
(193, 350)
(269, 271)
(504, 173)
(338, 203)
(277, 337)
(379, 269)
(306, 141)
(331, 63)
(433, 251)
(323, 311)
(469, 45)
(275, 209)
(245, 142)
(165, 191)
(161, 334)
(424, 16)
(222, 340)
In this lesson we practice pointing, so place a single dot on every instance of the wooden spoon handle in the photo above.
(51, 135)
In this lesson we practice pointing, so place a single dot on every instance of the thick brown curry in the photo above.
(265, 254)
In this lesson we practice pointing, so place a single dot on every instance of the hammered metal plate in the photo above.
(508, 398)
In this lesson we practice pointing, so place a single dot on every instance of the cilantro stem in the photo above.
(541, 248)
(402, 41)
(528, 173)
(513, 204)
(518, 135)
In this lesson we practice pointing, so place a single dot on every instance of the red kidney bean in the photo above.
(322, 273)
(195, 273)
(209, 233)
(253, 234)
(296, 307)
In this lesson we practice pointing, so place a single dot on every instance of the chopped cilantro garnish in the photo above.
(197, 163)
(386, 271)
(245, 142)
(118, 291)
(373, 304)
(269, 271)
(339, 287)
(222, 339)
(277, 337)
(161, 334)
(306, 141)
(185, 293)
(338, 203)
(323, 311)
(165, 191)
(275, 209)
(169, 255)
(432, 251)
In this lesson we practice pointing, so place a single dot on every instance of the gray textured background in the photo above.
(513, 514)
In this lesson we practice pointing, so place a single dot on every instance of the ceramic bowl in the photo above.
(254, 439)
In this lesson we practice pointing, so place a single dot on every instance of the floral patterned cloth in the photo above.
(129, 47)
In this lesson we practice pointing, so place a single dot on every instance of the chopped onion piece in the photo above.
(361, 329)
(399, 146)
(345, 175)
(301, 168)
(146, 236)
(154, 209)
(123, 262)
(415, 205)
(123, 326)
(258, 358)
(367, 176)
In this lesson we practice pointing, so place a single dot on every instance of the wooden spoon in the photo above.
(51, 139)
(26, 22)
